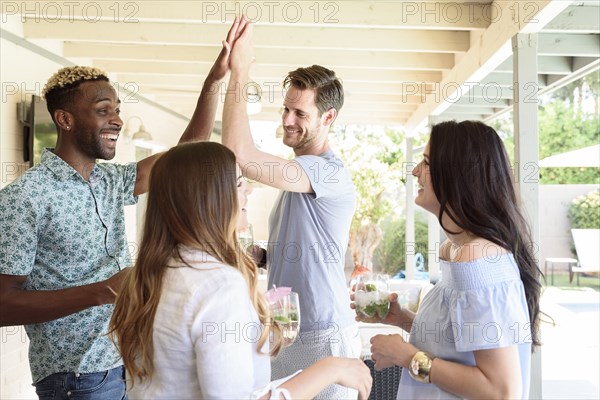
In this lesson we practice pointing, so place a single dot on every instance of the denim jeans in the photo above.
(105, 385)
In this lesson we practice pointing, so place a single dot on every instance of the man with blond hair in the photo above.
(63, 249)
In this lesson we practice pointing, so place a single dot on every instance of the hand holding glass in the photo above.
(371, 298)
(286, 314)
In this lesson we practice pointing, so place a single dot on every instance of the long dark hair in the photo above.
(474, 184)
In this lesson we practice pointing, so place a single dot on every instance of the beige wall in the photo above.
(23, 72)
(555, 228)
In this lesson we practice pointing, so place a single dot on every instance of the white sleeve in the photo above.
(276, 391)
(224, 338)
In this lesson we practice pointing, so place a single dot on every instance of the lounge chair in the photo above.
(587, 246)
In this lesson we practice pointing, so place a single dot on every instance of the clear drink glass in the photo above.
(246, 237)
(286, 314)
(371, 297)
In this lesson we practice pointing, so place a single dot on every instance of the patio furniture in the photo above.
(557, 260)
(385, 382)
(587, 246)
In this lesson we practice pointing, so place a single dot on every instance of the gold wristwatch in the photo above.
(420, 366)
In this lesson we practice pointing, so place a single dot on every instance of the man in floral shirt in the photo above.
(63, 249)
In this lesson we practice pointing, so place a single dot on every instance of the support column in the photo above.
(433, 256)
(410, 212)
(525, 78)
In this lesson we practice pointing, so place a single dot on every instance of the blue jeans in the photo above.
(105, 385)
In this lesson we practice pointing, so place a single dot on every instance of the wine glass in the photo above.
(246, 237)
(371, 297)
(286, 314)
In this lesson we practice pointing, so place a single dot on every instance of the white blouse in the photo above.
(205, 336)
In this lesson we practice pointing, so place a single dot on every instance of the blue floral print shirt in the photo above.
(62, 231)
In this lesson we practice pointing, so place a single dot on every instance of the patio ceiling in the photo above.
(401, 62)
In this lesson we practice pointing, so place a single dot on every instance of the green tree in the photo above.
(584, 211)
(561, 128)
(374, 157)
(391, 252)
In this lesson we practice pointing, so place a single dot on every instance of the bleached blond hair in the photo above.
(72, 76)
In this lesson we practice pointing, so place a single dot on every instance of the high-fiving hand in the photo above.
(222, 63)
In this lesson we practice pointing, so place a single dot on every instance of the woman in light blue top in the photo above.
(473, 335)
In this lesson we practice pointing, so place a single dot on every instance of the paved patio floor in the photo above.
(570, 354)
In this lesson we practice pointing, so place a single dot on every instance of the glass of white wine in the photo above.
(286, 314)
(246, 237)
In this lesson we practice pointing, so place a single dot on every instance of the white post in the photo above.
(525, 78)
(410, 212)
(433, 259)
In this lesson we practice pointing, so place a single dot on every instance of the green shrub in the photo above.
(584, 211)
(390, 255)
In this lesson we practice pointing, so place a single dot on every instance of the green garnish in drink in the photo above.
(371, 287)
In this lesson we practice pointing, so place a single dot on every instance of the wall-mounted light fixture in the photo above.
(141, 135)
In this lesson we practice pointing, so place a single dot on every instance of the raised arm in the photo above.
(256, 165)
(22, 307)
(201, 124)
(203, 119)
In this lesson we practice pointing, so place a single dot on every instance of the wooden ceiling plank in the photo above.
(206, 54)
(268, 36)
(390, 14)
(490, 49)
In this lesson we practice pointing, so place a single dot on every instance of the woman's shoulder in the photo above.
(204, 272)
(475, 249)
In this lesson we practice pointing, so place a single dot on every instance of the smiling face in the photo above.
(304, 126)
(96, 121)
(426, 197)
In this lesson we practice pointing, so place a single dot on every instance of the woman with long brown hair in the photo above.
(190, 322)
(472, 336)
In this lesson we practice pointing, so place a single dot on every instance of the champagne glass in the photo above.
(371, 297)
(246, 237)
(286, 314)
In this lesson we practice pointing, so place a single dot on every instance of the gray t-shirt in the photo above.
(308, 238)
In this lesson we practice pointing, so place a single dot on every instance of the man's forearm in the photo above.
(203, 119)
(236, 126)
(23, 307)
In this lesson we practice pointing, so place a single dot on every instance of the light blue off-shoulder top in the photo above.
(477, 305)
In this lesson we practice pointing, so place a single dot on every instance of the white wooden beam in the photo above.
(392, 99)
(467, 109)
(525, 119)
(556, 65)
(506, 80)
(572, 45)
(264, 36)
(409, 253)
(491, 48)
(388, 14)
(264, 56)
(268, 86)
(265, 72)
(576, 19)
